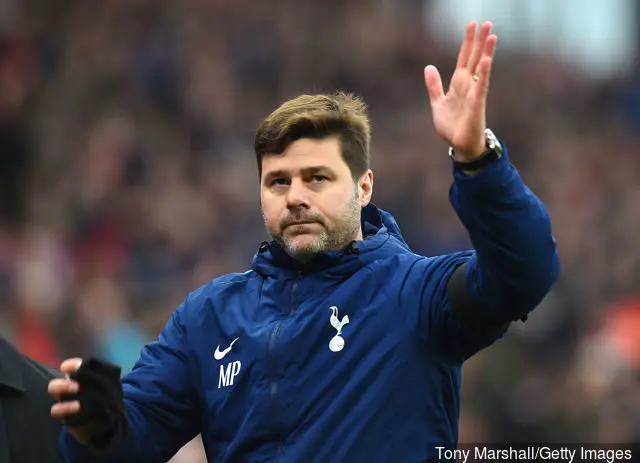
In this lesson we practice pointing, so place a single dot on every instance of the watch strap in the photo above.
(493, 153)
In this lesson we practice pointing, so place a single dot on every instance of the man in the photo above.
(340, 344)
(27, 433)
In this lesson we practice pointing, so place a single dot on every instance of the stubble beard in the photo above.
(329, 238)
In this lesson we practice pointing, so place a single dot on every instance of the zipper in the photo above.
(294, 293)
(272, 343)
(273, 393)
(274, 335)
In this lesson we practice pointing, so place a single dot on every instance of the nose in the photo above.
(297, 195)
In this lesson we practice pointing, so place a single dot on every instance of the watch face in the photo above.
(492, 141)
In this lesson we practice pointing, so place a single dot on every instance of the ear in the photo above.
(365, 188)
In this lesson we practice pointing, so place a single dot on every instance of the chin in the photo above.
(302, 245)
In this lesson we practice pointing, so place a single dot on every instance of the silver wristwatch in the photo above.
(493, 152)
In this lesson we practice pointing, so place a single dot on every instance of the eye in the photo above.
(320, 178)
(279, 182)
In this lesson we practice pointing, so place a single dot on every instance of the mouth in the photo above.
(294, 224)
(301, 227)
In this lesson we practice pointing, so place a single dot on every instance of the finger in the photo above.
(62, 409)
(478, 47)
(467, 45)
(70, 366)
(433, 81)
(490, 46)
(484, 75)
(59, 387)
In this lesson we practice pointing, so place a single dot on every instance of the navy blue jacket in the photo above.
(355, 357)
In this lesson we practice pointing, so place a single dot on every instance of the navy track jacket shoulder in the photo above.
(354, 358)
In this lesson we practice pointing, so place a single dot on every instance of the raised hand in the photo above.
(459, 116)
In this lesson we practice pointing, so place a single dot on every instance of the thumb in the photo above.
(70, 366)
(433, 81)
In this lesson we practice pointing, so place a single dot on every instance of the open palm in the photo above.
(459, 116)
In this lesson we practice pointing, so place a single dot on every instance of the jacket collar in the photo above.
(382, 237)
(11, 377)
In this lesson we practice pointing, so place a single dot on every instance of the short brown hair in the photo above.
(338, 115)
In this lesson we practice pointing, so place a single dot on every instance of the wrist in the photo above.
(491, 151)
(471, 155)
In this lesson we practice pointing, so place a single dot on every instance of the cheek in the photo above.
(270, 210)
(333, 206)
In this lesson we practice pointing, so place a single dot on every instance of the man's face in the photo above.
(310, 201)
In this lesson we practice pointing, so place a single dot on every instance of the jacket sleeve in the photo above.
(468, 299)
(516, 261)
(161, 403)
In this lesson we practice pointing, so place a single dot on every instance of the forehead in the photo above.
(304, 153)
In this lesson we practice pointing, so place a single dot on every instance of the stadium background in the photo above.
(127, 176)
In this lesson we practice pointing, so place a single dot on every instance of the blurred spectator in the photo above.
(128, 179)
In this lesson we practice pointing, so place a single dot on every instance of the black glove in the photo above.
(101, 402)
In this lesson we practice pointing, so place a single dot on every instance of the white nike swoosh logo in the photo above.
(219, 355)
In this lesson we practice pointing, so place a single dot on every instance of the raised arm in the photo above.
(515, 261)
(472, 297)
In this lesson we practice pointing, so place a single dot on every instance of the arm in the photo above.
(515, 261)
(161, 403)
(468, 299)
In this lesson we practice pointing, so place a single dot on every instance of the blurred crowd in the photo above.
(127, 179)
